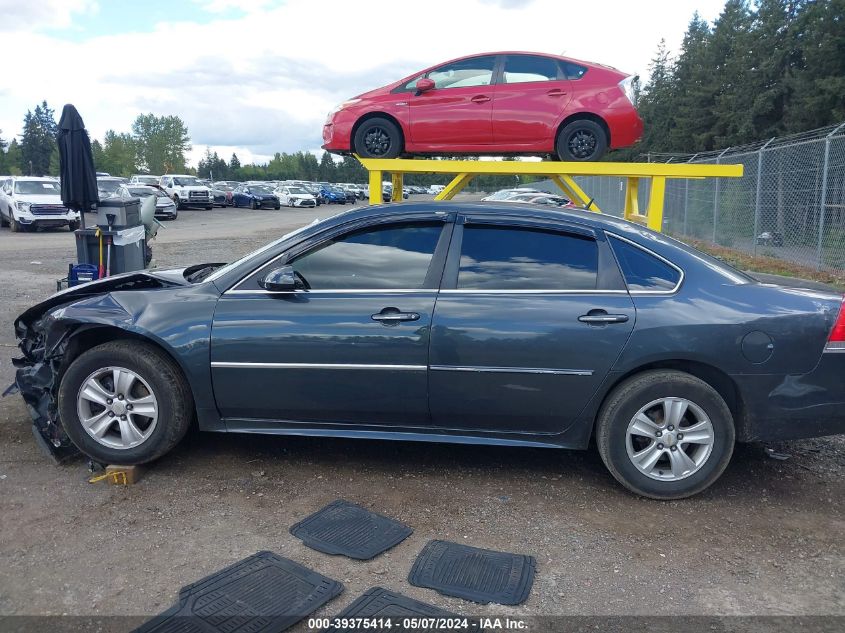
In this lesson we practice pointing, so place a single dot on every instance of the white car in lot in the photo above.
(28, 203)
(294, 196)
(144, 179)
(187, 191)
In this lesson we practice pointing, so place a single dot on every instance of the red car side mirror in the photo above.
(424, 85)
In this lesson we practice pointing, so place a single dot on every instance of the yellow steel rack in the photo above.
(561, 173)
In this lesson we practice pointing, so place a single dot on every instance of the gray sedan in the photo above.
(496, 323)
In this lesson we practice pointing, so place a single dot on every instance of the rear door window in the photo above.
(511, 258)
(642, 270)
(529, 68)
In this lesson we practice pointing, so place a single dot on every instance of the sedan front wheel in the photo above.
(124, 403)
(665, 434)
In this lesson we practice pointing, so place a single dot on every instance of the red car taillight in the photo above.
(836, 340)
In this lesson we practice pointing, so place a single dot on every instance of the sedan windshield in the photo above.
(259, 189)
(37, 187)
(297, 190)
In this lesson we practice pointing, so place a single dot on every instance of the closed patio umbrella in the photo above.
(79, 180)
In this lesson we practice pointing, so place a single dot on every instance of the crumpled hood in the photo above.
(137, 280)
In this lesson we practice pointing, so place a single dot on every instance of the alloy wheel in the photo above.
(117, 407)
(377, 141)
(669, 439)
(582, 144)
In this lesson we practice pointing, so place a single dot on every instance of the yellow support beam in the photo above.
(375, 186)
(397, 186)
(655, 203)
(561, 173)
(573, 191)
(458, 182)
(632, 202)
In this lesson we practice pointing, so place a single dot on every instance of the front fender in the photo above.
(176, 320)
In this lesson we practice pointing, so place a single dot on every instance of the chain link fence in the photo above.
(790, 203)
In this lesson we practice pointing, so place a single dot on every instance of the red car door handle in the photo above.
(480, 99)
(556, 93)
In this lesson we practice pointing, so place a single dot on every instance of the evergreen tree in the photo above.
(234, 167)
(694, 100)
(327, 168)
(655, 102)
(730, 48)
(14, 158)
(816, 84)
(38, 140)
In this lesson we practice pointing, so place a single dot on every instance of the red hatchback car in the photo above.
(495, 103)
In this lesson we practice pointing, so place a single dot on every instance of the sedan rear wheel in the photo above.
(665, 434)
(124, 402)
(582, 140)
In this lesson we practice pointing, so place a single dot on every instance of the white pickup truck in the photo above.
(187, 191)
(27, 203)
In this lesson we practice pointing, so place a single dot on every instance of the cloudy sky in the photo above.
(259, 76)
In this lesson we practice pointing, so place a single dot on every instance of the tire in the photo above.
(705, 404)
(14, 225)
(581, 141)
(277, 207)
(255, 205)
(178, 202)
(378, 138)
(211, 208)
(3, 220)
(73, 225)
(173, 402)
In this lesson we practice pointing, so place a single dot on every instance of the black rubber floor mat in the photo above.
(379, 607)
(349, 530)
(479, 575)
(264, 593)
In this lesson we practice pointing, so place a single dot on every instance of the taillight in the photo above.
(836, 340)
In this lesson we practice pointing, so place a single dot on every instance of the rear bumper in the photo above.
(626, 126)
(794, 407)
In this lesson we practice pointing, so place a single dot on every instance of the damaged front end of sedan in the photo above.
(48, 334)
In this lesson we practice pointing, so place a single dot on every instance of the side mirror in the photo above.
(279, 280)
(425, 84)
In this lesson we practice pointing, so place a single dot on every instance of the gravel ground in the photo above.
(764, 540)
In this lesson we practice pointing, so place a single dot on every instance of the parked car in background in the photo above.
(314, 190)
(218, 196)
(227, 190)
(165, 207)
(255, 197)
(295, 196)
(144, 179)
(29, 203)
(535, 327)
(546, 199)
(108, 186)
(333, 195)
(435, 189)
(505, 194)
(499, 103)
(186, 191)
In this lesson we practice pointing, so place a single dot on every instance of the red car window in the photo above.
(465, 73)
(528, 68)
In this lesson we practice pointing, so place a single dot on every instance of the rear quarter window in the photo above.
(642, 270)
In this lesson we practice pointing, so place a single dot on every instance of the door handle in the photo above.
(556, 93)
(389, 316)
(480, 99)
(600, 317)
